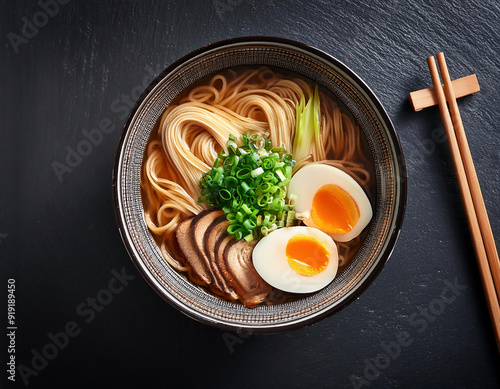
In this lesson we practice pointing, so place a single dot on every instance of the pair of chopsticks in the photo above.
(479, 225)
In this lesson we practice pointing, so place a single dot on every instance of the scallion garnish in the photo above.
(249, 184)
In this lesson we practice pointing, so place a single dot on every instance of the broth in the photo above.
(160, 169)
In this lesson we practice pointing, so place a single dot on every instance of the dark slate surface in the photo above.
(81, 69)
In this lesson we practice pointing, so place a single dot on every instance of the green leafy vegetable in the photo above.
(249, 184)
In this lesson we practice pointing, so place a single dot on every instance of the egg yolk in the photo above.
(307, 256)
(334, 210)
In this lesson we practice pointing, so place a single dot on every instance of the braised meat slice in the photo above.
(189, 250)
(222, 263)
(212, 235)
(245, 280)
(220, 246)
(199, 227)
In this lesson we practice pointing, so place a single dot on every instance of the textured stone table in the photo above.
(84, 315)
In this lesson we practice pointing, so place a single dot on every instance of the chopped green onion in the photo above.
(257, 172)
(249, 224)
(280, 192)
(290, 218)
(236, 203)
(232, 228)
(269, 163)
(265, 187)
(232, 146)
(269, 176)
(249, 183)
(230, 181)
(243, 173)
(246, 209)
(254, 157)
(288, 159)
(225, 194)
(262, 200)
(280, 175)
(245, 186)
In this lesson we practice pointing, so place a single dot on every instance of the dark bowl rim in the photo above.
(400, 207)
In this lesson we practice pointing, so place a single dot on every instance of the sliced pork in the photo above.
(190, 252)
(245, 280)
(214, 232)
(199, 227)
(222, 263)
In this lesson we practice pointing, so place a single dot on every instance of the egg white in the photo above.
(306, 182)
(270, 261)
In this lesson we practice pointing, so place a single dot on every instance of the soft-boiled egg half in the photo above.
(331, 200)
(296, 259)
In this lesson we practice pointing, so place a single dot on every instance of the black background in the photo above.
(59, 238)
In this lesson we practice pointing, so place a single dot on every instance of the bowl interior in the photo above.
(389, 171)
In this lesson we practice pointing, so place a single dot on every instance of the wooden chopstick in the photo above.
(470, 171)
(480, 228)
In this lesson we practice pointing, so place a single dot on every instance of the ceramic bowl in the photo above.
(389, 175)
